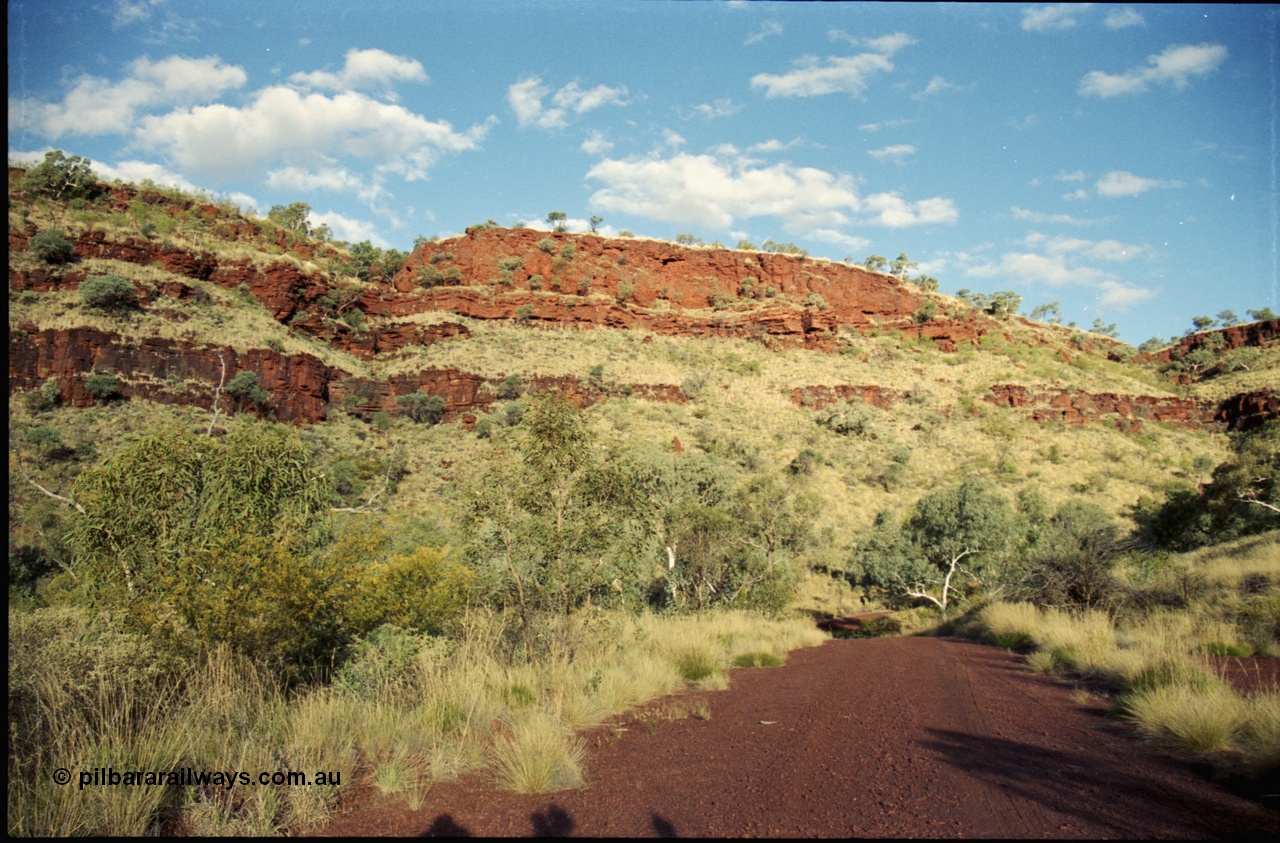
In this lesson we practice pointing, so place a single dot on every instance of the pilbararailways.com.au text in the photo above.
(188, 777)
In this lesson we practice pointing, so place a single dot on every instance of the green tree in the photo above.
(292, 218)
(1107, 330)
(210, 529)
(1050, 312)
(901, 264)
(543, 521)
(875, 263)
(1071, 560)
(102, 386)
(1263, 315)
(1228, 318)
(1201, 323)
(60, 177)
(966, 530)
(557, 220)
(594, 223)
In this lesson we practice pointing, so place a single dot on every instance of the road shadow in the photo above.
(553, 821)
(1114, 791)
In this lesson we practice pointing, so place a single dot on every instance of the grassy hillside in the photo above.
(437, 544)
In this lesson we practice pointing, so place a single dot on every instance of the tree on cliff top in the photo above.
(60, 177)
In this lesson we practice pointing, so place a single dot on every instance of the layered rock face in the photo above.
(538, 279)
(590, 281)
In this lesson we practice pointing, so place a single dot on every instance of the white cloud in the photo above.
(346, 228)
(1037, 216)
(139, 171)
(936, 86)
(281, 125)
(1054, 18)
(896, 153)
(96, 106)
(773, 145)
(892, 211)
(1175, 66)
(769, 27)
(715, 192)
(1120, 183)
(1077, 175)
(709, 110)
(525, 98)
(1122, 18)
(718, 190)
(364, 69)
(1123, 296)
(128, 12)
(596, 143)
(839, 74)
(886, 124)
(1076, 195)
(1064, 261)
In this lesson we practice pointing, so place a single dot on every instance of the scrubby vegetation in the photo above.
(401, 594)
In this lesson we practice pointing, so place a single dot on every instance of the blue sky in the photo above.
(1118, 159)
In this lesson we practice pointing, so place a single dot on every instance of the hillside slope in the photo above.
(750, 356)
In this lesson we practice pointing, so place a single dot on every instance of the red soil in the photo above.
(889, 737)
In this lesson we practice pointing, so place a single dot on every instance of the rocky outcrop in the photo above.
(590, 281)
(818, 397)
(1254, 334)
(1248, 410)
(1079, 408)
(302, 387)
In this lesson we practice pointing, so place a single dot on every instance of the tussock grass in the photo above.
(452, 709)
(536, 754)
(1155, 659)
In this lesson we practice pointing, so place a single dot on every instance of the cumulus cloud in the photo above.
(896, 153)
(892, 211)
(717, 190)
(1123, 296)
(1054, 18)
(96, 106)
(1122, 18)
(364, 69)
(1068, 261)
(526, 100)
(349, 229)
(1077, 175)
(139, 171)
(1175, 66)
(1121, 183)
(596, 143)
(838, 74)
(283, 125)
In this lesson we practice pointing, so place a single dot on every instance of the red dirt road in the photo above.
(887, 737)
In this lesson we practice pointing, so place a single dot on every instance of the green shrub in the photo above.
(512, 387)
(244, 388)
(103, 387)
(850, 418)
(107, 292)
(51, 247)
(422, 407)
(696, 664)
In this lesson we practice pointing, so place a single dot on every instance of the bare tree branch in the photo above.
(42, 489)
(217, 393)
(1271, 507)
